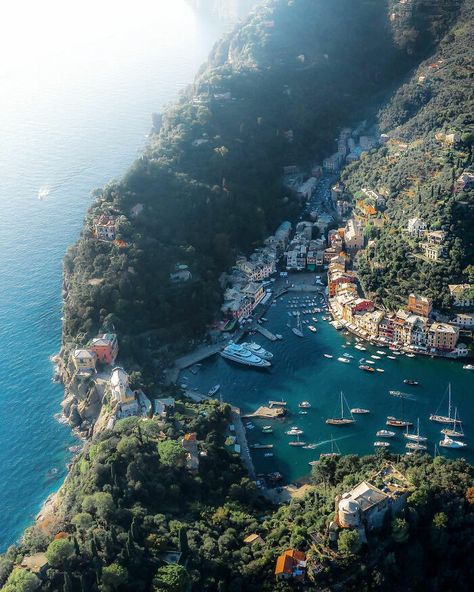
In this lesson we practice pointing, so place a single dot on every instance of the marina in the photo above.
(307, 370)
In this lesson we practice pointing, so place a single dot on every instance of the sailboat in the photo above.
(341, 421)
(444, 418)
(298, 330)
(453, 432)
(415, 437)
(297, 442)
(450, 443)
(333, 453)
(398, 423)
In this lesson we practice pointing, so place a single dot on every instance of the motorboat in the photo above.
(294, 431)
(450, 443)
(374, 357)
(381, 353)
(304, 405)
(385, 434)
(381, 444)
(397, 423)
(241, 355)
(392, 357)
(214, 390)
(268, 429)
(258, 350)
(380, 369)
(468, 367)
(360, 411)
(328, 356)
(298, 330)
(366, 368)
(411, 382)
(312, 328)
(370, 362)
(343, 360)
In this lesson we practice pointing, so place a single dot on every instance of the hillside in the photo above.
(419, 172)
(132, 516)
(273, 93)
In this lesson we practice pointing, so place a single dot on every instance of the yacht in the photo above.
(298, 330)
(214, 390)
(258, 350)
(360, 411)
(380, 369)
(444, 418)
(335, 452)
(397, 423)
(238, 353)
(360, 347)
(304, 405)
(374, 357)
(312, 328)
(381, 444)
(294, 431)
(341, 421)
(416, 446)
(344, 360)
(381, 353)
(450, 443)
(468, 367)
(328, 356)
(385, 434)
(411, 382)
(370, 362)
(415, 437)
(391, 357)
(455, 431)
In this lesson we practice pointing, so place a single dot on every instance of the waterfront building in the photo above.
(236, 304)
(369, 322)
(387, 328)
(256, 271)
(464, 320)
(104, 227)
(84, 360)
(105, 347)
(420, 305)
(333, 162)
(308, 188)
(255, 292)
(291, 565)
(462, 295)
(365, 506)
(443, 337)
(336, 278)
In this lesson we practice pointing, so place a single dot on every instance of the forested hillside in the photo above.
(273, 93)
(131, 517)
(418, 169)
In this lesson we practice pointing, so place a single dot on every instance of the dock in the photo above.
(272, 404)
(199, 355)
(266, 413)
(260, 446)
(265, 332)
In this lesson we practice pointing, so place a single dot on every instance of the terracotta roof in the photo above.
(284, 565)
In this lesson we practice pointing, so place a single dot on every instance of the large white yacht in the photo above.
(240, 354)
(258, 350)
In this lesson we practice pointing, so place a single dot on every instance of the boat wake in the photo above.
(324, 442)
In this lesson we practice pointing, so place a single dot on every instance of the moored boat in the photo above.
(444, 418)
(415, 446)
(468, 367)
(397, 423)
(366, 368)
(341, 421)
(238, 353)
(328, 356)
(304, 405)
(411, 382)
(312, 328)
(294, 431)
(381, 444)
(258, 350)
(450, 443)
(268, 429)
(385, 434)
(359, 411)
(214, 390)
(415, 437)
(454, 432)
(343, 360)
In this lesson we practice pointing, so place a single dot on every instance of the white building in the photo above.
(122, 394)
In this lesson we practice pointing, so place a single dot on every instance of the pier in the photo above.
(198, 355)
(265, 332)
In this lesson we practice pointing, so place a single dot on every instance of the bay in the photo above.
(75, 110)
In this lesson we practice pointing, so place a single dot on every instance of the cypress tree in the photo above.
(134, 530)
(76, 546)
(67, 585)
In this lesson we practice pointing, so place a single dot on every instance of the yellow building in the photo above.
(442, 336)
(84, 360)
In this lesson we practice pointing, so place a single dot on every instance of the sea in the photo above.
(301, 372)
(79, 83)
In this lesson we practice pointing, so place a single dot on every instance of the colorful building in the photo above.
(84, 360)
(443, 337)
(105, 347)
(420, 305)
(291, 565)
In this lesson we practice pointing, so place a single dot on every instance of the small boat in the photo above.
(310, 446)
(277, 403)
(341, 421)
(374, 357)
(399, 394)
(312, 328)
(278, 336)
(298, 330)
(415, 437)
(360, 411)
(350, 356)
(415, 446)
(360, 347)
(454, 432)
(268, 429)
(366, 368)
(392, 357)
(264, 319)
(397, 423)
(385, 434)
(380, 369)
(258, 446)
(294, 431)
(410, 355)
(268, 454)
(214, 390)
(381, 353)
(468, 367)
(381, 444)
(328, 356)
(304, 405)
(344, 360)
(450, 443)
(411, 382)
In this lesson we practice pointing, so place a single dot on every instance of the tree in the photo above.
(171, 578)
(21, 580)
(171, 453)
(113, 576)
(59, 552)
(400, 530)
(348, 542)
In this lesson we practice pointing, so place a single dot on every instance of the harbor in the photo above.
(308, 369)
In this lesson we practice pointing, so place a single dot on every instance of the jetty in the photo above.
(260, 446)
(264, 412)
(265, 332)
(200, 354)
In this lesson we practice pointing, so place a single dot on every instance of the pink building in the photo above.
(105, 347)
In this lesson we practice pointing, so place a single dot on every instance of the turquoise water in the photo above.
(301, 372)
(69, 123)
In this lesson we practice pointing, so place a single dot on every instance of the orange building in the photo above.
(291, 564)
(105, 347)
(419, 305)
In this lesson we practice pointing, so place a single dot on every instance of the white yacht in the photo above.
(238, 353)
(450, 443)
(385, 434)
(258, 350)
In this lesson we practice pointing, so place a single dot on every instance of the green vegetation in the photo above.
(416, 172)
(127, 521)
(210, 179)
